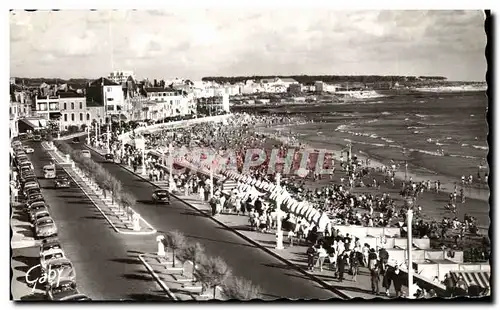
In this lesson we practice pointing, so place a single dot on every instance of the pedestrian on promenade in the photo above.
(375, 279)
(322, 255)
(372, 259)
(341, 263)
(398, 280)
(291, 236)
(311, 253)
(354, 264)
(386, 279)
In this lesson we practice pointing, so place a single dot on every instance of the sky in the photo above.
(196, 42)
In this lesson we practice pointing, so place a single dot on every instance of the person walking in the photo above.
(341, 264)
(322, 255)
(355, 256)
(311, 253)
(398, 280)
(375, 278)
(386, 279)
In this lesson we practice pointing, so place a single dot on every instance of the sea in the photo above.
(436, 134)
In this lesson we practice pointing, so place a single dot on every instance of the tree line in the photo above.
(310, 79)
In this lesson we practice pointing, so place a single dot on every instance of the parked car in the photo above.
(61, 182)
(64, 269)
(40, 214)
(37, 138)
(161, 196)
(65, 289)
(45, 228)
(35, 204)
(35, 210)
(49, 256)
(34, 197)
(28, 165)
(29, 150)
(49, 245)
(86, 154)
(76, 140)
(32, 191)
(29, 186)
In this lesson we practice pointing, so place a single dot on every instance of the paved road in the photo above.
(106, 263)
(276, 279)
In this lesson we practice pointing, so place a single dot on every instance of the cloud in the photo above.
(252, 41)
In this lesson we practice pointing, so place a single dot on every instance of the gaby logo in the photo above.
(50, 276)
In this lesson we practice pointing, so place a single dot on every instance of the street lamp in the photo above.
(170, 168)
(279, 232)
(409, 218)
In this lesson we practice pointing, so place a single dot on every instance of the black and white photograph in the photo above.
(281, 153)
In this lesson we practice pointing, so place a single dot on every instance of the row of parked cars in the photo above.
(56, 269)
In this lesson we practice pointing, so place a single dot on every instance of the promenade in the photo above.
(294, 255)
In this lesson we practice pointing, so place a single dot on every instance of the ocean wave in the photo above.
(371, 121)
(342, 128)
(386, 113)
(449, 138)
(387, 140)
(421, 115)
(437, 143)
(480, 147)
(417, 132)
(427, 152)
(415, 127)
(463, 156)
(464, 144)
(430, 140)
(373, 136)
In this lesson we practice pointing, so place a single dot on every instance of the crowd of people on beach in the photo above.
(334, 195)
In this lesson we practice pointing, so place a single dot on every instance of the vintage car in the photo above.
(40, 214)
(61, 291)
(64, 269)
(48, 245)
(28, 150)
(61, 182)
(37, 138)
(161, 196)
(35, 207)
(75, 140)
(86, 153)
(109, 157)
(50, 256)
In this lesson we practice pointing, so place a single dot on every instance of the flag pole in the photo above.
(409, 219)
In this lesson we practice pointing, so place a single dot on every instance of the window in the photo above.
(72, 106)
(43, 107)
(81, 105)
(108, 89)
(81, 116)
(65, 106)
(65, 117)
(88, 116)
(72, 117)
(111, 99)
(53, 106)
(111, 107)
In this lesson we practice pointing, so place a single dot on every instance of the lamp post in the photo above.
(88, 135)
(279, 232)
(122, 146)
(107, 135)
(170, 167)
(96, 135)
(409, 218)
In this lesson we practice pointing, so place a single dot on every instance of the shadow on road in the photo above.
(228, 242)
(34, 297)
(138, 277)
(93, 217)
(126, 260)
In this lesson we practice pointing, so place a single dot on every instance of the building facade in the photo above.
(120, 77)
(103, 92)
(213, 105)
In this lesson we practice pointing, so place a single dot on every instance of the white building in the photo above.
(163, 103)
(120, 77)
(103, 92)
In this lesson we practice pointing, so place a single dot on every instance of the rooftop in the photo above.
(102, 82)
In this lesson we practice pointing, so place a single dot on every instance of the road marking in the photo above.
(157, 278)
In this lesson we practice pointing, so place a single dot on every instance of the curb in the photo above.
(105, 216)
(160, 282)
(335, 290)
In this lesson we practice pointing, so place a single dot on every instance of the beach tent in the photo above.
(258, 184)
(293, 206)
(316, 217)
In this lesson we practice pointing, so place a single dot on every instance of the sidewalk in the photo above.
(22, 233)
(115, 216)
